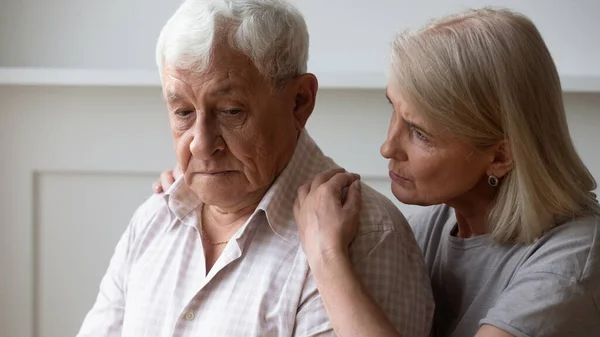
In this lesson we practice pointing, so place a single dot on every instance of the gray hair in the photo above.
(271, 33)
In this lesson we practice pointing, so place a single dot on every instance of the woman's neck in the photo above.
(472, 211)
(470, 225)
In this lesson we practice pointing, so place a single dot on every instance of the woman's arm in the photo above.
(327, 221)
(351, 309)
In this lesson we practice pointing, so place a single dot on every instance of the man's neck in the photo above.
(227, 218)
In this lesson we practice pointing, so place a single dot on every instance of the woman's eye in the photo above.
(417, 133)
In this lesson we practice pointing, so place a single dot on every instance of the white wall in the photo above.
(346, 36)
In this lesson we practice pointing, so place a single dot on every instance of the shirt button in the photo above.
(189, 316)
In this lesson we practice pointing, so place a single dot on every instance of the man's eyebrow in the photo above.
(228, 89)
(173, 97)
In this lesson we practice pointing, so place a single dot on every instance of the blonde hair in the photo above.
(486, 76)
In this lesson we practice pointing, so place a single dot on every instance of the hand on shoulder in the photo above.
(327, 213)
(166, 179)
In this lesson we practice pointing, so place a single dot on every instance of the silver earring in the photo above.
(493, 180)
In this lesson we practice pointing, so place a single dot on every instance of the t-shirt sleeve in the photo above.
(542, 304)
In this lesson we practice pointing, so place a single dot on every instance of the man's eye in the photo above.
(183, 113)
(232, 112)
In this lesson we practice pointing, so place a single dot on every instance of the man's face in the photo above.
(233, 132)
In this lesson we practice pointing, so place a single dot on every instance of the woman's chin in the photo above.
(408, 196)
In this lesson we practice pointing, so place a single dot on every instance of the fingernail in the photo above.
(357, 184)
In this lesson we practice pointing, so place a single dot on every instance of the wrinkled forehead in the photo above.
(224, 76)
(222, 80)
(406, 106)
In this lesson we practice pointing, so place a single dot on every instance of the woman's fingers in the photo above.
(353, 198)
(166, 179)
(156, 187)
(323, 177)
(339, 183)
(326, 223)
(302, 193)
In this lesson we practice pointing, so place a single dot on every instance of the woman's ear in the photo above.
(502, 162)
(305, 98)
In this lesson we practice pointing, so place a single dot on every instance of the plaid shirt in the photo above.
(261, 285)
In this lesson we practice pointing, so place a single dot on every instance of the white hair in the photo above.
(271, 33)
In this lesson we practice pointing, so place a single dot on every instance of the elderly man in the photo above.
(218, 254)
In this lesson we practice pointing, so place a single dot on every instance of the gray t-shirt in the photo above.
(550, 288)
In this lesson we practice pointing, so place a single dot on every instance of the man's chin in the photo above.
(221, 200)
(222, 195)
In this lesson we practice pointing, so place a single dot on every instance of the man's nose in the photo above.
(207, 141)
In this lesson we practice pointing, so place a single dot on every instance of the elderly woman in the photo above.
(478, 132)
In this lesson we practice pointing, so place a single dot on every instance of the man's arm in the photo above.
(352, 311)
(106, 316)
(312, 319)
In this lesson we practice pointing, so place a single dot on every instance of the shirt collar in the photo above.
(278, 202)
(181, 200)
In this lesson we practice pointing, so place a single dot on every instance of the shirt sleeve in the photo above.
(390, 266)
(106, 315)
(311, 318)
(543, 304)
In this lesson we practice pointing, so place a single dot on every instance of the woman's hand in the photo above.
(327, 213)
(166, 179)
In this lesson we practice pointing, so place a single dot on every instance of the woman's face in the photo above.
(428, 165)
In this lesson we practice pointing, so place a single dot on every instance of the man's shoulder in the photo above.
(152, 215)
(379, 213)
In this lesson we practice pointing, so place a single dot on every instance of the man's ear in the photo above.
(502, 162)
(305, 98)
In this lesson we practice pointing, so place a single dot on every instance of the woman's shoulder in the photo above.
(571, 249)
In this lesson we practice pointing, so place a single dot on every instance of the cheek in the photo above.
(447, 178)
(246, 150)
(263, 158)
(427, 171)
